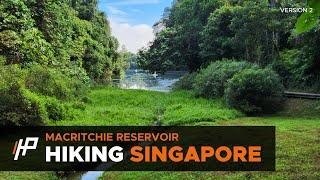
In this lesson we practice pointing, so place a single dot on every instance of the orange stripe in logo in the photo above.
(15, 148)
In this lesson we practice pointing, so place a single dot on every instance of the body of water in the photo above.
(140, 79)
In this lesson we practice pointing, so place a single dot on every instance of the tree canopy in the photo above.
(67, 34)
(198, 32)
(50, 53)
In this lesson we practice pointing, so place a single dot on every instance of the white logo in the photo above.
(27, 146)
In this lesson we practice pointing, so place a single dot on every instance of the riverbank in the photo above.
(298, 129)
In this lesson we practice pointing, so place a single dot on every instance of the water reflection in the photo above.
(140, 79)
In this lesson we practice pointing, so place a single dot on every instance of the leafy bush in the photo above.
(254, 91)
(186, 82)
(211, 81)
(297, 70)
(11, 75)
(25, 101)
(290, 67)
(79, 105)
(19, 106)
(34, 48)
(2, 60)
(52, 82)
(55, 109)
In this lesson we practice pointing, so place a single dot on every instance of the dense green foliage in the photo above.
(186, 82)
(163, 46)
(69, 35)
(19, 106)
(308, 21)
(255, 91)
(178, 45)
(50, 51)
(25, 102)
(244, 85)
(52, 82)
(211, 81)
(56, 109)
(253, 31)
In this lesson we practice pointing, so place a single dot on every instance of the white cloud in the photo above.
(116, 11)
(117, 15)
(134, 37)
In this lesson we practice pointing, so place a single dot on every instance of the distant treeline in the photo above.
(194, 33)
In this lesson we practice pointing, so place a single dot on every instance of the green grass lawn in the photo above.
(297, 130)
(5, 175)
(297, 153)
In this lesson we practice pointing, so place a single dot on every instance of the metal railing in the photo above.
(302, 95)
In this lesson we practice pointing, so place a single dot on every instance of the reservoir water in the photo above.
(140, 79)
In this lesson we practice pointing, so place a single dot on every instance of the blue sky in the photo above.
(134, 11)
(131, 20)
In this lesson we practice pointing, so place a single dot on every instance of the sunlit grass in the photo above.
(297, 153)
(24, 175)
(111, 106)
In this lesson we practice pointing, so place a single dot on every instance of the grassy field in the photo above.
(110, 106)
(28, 175)
(297, 130)
(297, 153)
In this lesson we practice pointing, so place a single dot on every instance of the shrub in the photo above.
(55, 109)
(35, 48)
(297, 70)
(79, 105)
(211, 81)
(52, 82)
(24, 106)
(19, 106)
(10, 75)
(2, 60)
(290, 67)
(255, 91)
(186, 82)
